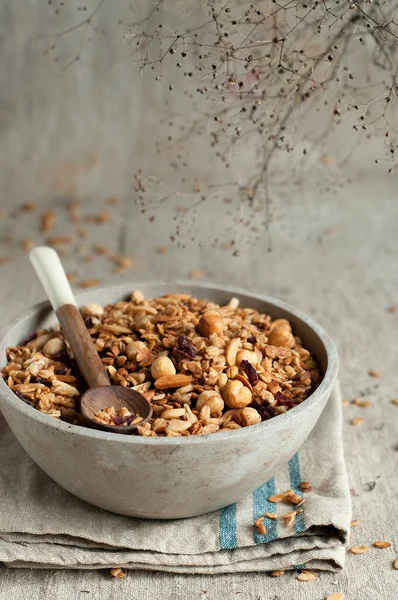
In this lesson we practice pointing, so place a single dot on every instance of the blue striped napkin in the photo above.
(79, 536)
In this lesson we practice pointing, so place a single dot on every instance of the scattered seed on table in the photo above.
(71, 277)
(260, 526)
(381, 544)
(162, 250)
(118, 573)
(374, 373)
(305, 486)
(102, 217)
(28, 244)
(345, 403)
(395, 401)
(82, 232)
(362, 403)
(123, 263)
(47, 221)
(100, 249)
(59, 240)
(197, 274)
(89, 283)
(3, 260)
(395, 564)
(336, 596)
(277, 573)
(306, 576)
(289, 497)
(357, 421)
(73, 207)
(271, 515)
(113, 200)
(359, 549)
(392, 309)
(290, 516)
(355, 522)
(29, 206)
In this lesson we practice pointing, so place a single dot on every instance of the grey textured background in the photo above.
(83, 131)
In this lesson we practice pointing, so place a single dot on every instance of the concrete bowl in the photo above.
(166, 478)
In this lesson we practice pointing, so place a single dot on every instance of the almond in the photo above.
(172, 381)
(172, 413)
(245, 381)
(232, 350)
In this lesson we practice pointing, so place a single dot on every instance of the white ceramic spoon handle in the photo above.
(50, 271)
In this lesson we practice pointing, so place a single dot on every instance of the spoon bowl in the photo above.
(99, 398)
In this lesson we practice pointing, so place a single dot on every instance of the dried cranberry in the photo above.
(22, 397)
(251, 339)
(250, 371)
(266, 411)
(185, 346)
(61, 356)
(283, 400)
(119, 420)
(40, 380)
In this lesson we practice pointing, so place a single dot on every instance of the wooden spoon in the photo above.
(101, 394)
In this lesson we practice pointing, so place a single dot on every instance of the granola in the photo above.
(124, 417)
(205, 368)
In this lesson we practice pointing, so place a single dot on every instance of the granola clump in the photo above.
(205, 368)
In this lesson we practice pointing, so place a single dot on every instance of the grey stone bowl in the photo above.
(166, 478)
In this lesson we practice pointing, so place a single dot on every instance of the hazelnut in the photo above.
(133, 348)
(247, 416)
(91, 310)
(53, 346)
(281, 334)
(211, 322)
(142, 319)
(211, 399)
(236, 395)
(162, 366)
(248, 355)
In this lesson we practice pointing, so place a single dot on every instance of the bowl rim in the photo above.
(328, 380)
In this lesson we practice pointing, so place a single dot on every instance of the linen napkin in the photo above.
(43, 526)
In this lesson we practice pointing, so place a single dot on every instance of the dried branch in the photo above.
(259, 69)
